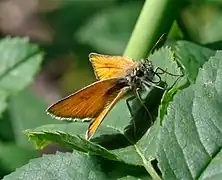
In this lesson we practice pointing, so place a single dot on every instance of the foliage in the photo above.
(185, 140)
(17, 71)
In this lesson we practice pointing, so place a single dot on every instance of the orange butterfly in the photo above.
(116, 76)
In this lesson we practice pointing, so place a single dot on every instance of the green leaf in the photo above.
(191, 57)
(165, 59)
(44, 135)
(77, 166)
(55, 133)
(109, 31)
(12, 156)
(175, 31)
(190, 138)
(166, 99)
(19, 61)
(210, 172)
(27, 111)
(141, 152)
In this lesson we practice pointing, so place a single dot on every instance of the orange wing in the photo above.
(95, 123)
(106, 67)
(87, 102)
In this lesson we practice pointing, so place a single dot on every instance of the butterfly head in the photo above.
(145, 70)
(142, 74)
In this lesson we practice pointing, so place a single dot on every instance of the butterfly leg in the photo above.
(131, 112)
(128, 104)
(141, 101)
(162, 71)
(165, 71)
(150, 84)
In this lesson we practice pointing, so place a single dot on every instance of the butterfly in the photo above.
(117, 76)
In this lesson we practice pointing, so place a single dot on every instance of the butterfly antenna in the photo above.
(155, 45)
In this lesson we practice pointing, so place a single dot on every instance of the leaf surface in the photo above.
(19, 62)
(74, 165)
(190, 139)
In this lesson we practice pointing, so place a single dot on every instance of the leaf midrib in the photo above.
(25, 59)
(148, 166)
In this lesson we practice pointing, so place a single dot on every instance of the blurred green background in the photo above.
(67, 31)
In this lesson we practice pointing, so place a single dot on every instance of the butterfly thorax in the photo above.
(142, 72)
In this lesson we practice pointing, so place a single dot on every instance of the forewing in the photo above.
(106, 67)
(113, 99)
(88, 102)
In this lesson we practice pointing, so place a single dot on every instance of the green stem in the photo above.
(148, 166)
(155, 19)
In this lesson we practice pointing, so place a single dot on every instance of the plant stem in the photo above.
(148, 166)
(156, 18)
